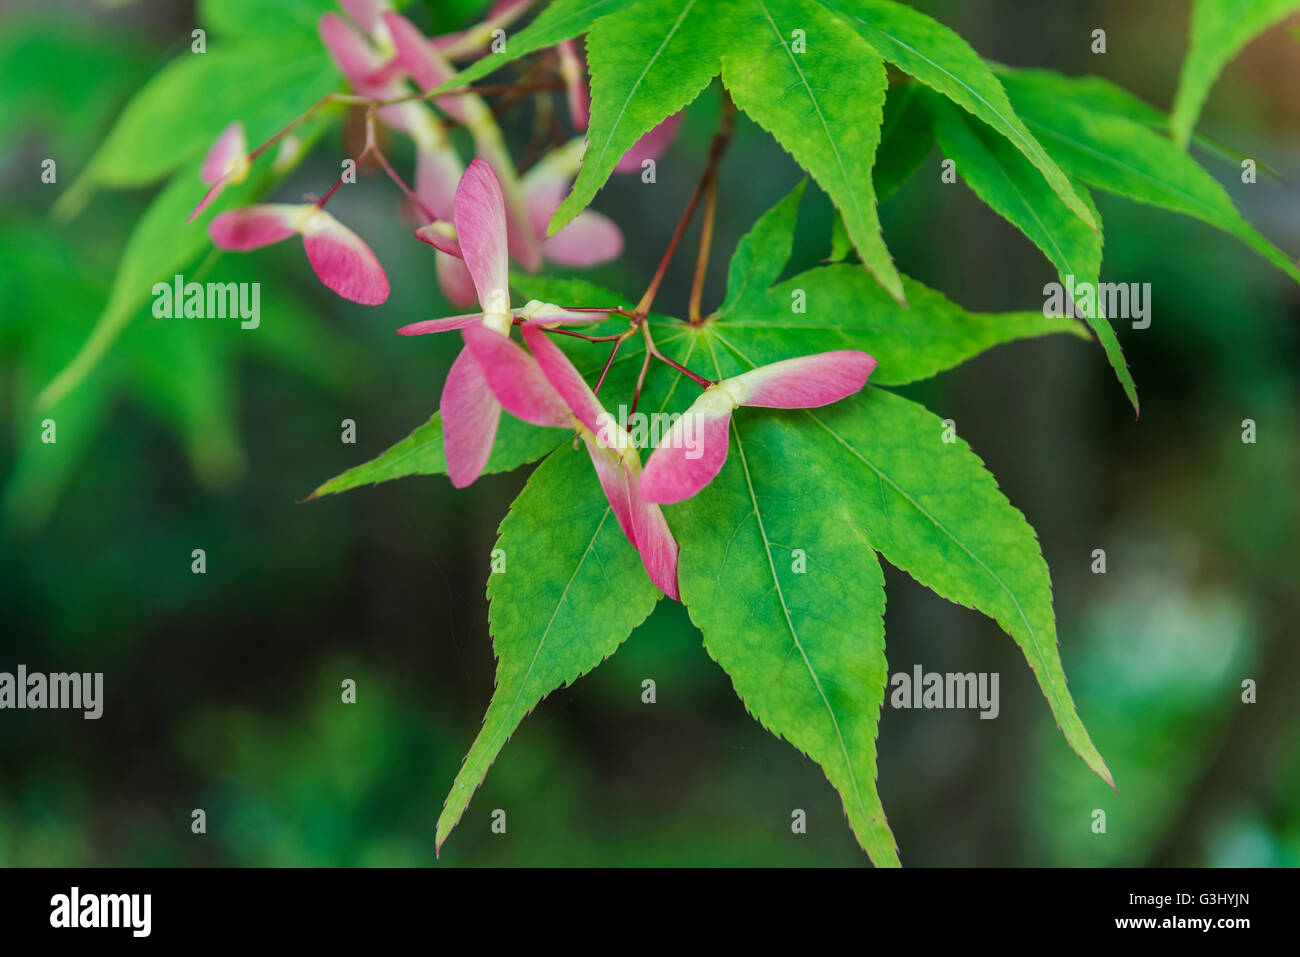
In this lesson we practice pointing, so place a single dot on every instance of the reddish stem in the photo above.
(640, 380)
(608, 362)
(583, 336)
(695, 377)
(702, 259)
(401, 183)
(721, 140)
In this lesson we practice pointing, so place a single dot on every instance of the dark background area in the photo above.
(222, 690)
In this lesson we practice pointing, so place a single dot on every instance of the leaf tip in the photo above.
(561, 219)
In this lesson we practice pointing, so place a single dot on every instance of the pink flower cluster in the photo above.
(386, 59)
(477, 218)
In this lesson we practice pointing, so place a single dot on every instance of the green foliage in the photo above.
(248, 18)
(571, 591)
(181, 375)
(766, 549)
(172, 121)
(826, 116)
(780, 554)
(1116, 153)
(161, 244)
(1000, 176)
(925, 503)
(941, 59)
(82, 79)
(561, 20)
(845, 309)
(1220, 29)
(646, 63)
(421, 453)
(932, 510)
(905, 141)
(655, 58)
(1099, 95)
(180, 112)
(870, 474)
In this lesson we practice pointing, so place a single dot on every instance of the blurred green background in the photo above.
(222, 690)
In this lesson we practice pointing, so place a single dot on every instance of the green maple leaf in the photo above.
(843, 484)
(826, 114)
(572, 590)
(653, 59)
(767, 549)
(646, 63)
(879, 462)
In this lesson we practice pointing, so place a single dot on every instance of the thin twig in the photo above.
(609, 362)
(721, 140)
(702, 259)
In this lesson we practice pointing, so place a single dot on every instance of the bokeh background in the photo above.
(222, 690)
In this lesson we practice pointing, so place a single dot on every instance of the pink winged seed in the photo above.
(675, 472)
(425, 63)
(455, 281)
(470, 416)
(575, 81)
(229, 145)
(438, 169)
(590, 240)
(480, 217)
(345, 264)
(252, 227)
(448, 324)
(694, 449)
(613, 481)
(805, 382)
(438, 238)
(222, 164)
(568, 382)
(359, 62)
(653, 539)
(516, 379)
(620, 476)
(341, 260)
(364, 12)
